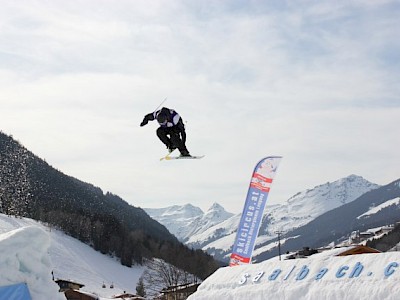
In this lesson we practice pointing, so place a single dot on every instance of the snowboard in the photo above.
(182, 157)
(169, 157)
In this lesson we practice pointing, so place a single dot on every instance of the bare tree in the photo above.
(160, 275)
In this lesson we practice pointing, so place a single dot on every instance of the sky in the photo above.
(316, 82)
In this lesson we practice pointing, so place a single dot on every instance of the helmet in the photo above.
(162, 118)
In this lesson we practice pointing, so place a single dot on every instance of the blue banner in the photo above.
(15, 292)
(253, 210)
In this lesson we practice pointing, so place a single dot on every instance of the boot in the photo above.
(185, 153)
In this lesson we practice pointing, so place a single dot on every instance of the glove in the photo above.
(144, 122)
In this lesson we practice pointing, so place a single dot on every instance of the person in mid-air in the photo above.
(171, 131)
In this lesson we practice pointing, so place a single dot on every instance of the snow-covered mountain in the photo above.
(295, 212)
(306, 206)
(188, 220)
(70, 259)
(336, 225)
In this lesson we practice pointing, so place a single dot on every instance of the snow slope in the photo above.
(67, 257)
(376, 209)
(320, 276)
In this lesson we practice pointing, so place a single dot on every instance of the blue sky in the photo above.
(316, 82)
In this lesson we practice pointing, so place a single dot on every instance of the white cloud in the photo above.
(313, 81)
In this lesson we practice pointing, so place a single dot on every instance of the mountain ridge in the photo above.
(186, 220)
(296, 212)
(337, 224)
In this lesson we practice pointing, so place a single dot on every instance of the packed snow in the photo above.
(30, 252)
(320, 276)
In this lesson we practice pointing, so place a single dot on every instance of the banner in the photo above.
(15, 292)
(253, 210)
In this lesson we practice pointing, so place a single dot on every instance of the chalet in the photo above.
(68, 285)
(358, 237)
(179, 292)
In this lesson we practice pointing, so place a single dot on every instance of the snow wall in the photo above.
(24, 258)
(321, 276)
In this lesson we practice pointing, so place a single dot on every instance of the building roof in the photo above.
(86, 294)
(69, 281)
(358, 249)
(127, 295)
(181, 288)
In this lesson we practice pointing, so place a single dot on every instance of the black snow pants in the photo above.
(173, 137)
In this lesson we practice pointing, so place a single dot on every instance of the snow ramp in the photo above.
(320, 276)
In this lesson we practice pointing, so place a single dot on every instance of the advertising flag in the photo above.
(253, 210)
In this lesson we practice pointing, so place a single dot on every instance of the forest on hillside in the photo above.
(29, 187)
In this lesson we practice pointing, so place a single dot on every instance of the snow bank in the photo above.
(321, 276)
(24, 258)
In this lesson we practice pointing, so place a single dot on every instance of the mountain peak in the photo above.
(353, 178)
(216, 206)
(216, 213)
(191, 208)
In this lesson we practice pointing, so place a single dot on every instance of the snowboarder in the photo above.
(171, 131)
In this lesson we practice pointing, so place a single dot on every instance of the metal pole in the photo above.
(279, 243)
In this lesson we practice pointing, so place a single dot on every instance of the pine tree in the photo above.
(140, 290)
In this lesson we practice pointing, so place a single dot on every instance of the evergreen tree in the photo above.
(140, 290)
